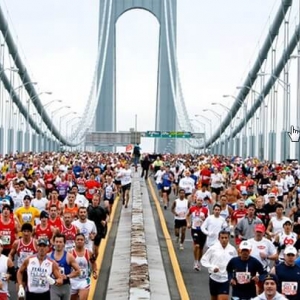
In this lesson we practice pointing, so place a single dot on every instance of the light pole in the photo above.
(70, 121)
(2, 112)
(220, 120)
(231, 125)
(27, 133)
(52, 101)
(67, 114)
(53, 113)
(204, 126)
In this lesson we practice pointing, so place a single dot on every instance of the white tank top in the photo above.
(37, 274)
(225, 212)
(3, 270)
(181, 209)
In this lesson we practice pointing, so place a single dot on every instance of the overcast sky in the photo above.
(217, 44)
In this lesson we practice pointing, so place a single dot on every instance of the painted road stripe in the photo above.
(177, 272)
(102, 248)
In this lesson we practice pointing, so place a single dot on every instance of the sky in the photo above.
(217, 43)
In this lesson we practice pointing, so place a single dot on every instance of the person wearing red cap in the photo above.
(262, 249)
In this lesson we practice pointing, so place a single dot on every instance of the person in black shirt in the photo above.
(270, 207)
(100, 217)
(261, 212)
(242, 272)
(145, 166)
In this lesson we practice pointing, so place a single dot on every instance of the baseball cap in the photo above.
(287, 222)
(260, 228)
(43, 241)
(44, 214)
(271, 277)
(244, 192)
(244, 245)
(39, 190)
(271, 195)
(26, 197)
(290, 250)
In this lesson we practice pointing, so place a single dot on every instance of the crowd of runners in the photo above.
(244, 217)
(54, 213)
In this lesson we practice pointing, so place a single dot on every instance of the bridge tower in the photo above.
(166, 13)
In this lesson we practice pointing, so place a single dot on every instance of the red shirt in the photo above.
(8, 233)
(57, 223)
(198, 214)
(46, 232)
(238, 214)
(205, 176)
(91, 188)
(70, 234)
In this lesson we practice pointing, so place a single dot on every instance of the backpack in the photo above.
(136, 150)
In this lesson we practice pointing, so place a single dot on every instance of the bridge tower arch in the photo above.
(166, 13)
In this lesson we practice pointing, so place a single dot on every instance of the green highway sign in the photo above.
(169, 134)
(154, 134)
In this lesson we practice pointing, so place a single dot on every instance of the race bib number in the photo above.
(26, 218)
(62, 270)
(243, 277)
(5, 239)
(289, 288)
(197, 222)
(83, 274)
(181, 214)
(91, 191)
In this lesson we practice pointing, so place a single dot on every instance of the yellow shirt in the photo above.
(27, 215)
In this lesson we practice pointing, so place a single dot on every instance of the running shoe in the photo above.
(196, 267)
(181, 247)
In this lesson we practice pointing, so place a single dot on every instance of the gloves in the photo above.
(21, 293)
(50, 280)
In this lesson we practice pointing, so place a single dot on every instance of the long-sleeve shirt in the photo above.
(211, 227)
(218, 257)
(243, 271)
(245, 227)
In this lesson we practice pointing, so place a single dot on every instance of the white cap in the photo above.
(290, 250)
(245, 245)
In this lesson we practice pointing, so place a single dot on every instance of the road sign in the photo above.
(153, 134)
(170, 134)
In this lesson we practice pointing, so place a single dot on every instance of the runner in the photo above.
(68, 266)
(180, 209)
(216, 259)
(38, 268)
(80, 286)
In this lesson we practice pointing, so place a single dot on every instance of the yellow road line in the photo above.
(176, 268)
(102, 248)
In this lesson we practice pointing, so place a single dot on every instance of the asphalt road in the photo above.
(196, 282)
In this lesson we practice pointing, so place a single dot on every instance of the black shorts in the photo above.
(291, 188)
(126, 187)
(180, 223)
(111, 201)
(199, 237)
(166, 190)
(117, 182)
(38, 296)
(218, 288)
(97, 239)
(285, 193)
(280, 198)
(217, 190)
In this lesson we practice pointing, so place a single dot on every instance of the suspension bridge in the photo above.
(257, 123)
